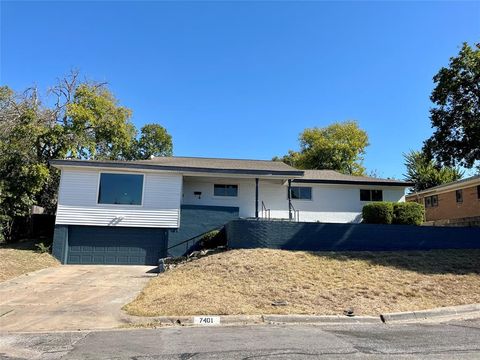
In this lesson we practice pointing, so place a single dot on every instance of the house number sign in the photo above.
(206, 320)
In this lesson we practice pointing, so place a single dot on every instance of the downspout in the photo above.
(256, 198)
(290, 199)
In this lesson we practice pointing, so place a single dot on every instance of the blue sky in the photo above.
(243, 79)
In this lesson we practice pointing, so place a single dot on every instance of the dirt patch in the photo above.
(250, 281)
(15, 262)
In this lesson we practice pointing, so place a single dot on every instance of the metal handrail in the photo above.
(193, 238)
(161, 261)
(296, 213)
(265, 211)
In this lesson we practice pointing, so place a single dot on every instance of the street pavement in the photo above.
(450, 340)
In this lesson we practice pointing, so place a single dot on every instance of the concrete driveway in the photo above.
(70, 297)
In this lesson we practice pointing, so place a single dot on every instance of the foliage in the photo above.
(210, 235)
(22, 175)
(42, 248)
(3, 221)
(378, 213)
(456, 114)
(340, 146)
(408, 213)
(154, 141)
(213, 239)
(426, 173)
(101, 129)
(83, 120)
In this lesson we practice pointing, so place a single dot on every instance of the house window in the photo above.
(225, 190)
(478, 192)
(428, 201)
(371, 195)
(459, 196)
(365, 195)
(120, 189)
(431, 201)
(301, 193)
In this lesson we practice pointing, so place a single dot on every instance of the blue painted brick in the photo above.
(196, 220)
(247, 234)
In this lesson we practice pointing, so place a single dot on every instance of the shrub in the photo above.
(2, 237)
(213, 239)
(378, 213)
(5, 222)
(42, 248)
(408, 213)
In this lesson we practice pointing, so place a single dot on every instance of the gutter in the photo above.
(352, 182)
(125, 165)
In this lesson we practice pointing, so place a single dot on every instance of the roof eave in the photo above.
(456, 185)
(354, 182)
(180, 169)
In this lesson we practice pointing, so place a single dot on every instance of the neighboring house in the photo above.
(128, 212)
(456, 200)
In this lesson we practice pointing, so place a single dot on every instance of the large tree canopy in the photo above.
(340, 146)
(78, 119)
(154, 141)
(426, 173)
(455, 116)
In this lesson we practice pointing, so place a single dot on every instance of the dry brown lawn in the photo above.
(15, 262)
(248, 281)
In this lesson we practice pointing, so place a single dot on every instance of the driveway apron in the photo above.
(70, 297)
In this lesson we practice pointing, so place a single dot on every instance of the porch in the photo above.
(255, 197)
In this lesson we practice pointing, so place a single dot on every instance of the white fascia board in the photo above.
(178, 172)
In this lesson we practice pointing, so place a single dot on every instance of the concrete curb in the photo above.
(422, 315)
(188, 320)
(252, 319)
(445, 313)
(320, 319)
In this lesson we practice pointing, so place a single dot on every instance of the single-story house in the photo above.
(454, 202)
(134, 212)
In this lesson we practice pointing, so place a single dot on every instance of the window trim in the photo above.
(360, 195)
(226, 196)
(428, 201)
(120, 173)
(459, 191)
(311, 193)
(371, 197)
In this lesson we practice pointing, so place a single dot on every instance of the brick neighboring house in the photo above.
(455, 202)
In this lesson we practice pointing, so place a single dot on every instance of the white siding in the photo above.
(245, 199)
(77, 204)
(77, 201)
(340, 203)
(330, 203)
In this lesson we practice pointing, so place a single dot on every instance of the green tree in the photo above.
(84, 122)
(426, 173)
(22, 176)
(154, 141)
(456, 112)
(101, 128)
(340, 146)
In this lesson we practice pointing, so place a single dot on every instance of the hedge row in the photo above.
(406, 213)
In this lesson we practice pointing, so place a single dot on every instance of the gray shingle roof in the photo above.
(331, 176)
(195, 164)
(219, 163)
(235, 166)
